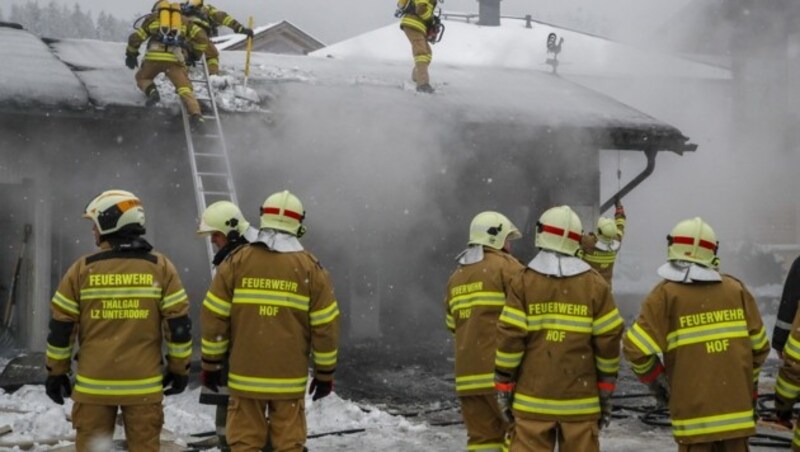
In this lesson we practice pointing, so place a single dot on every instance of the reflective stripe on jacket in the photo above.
(271, 312)
(713, 343)
(421, 18)
(195, 37)
(120, 304)
(561, 337)
(476, 294)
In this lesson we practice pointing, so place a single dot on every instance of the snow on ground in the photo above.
(38, 417)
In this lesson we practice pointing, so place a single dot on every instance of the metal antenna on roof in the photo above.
(553, 47)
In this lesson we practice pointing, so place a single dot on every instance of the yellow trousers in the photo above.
(728, 445)
(248, 429)
(485, 424)
(423, 56)
(543, 436)
(95, 426)
(176, 73)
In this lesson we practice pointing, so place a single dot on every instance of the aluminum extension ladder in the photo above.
(208, 154)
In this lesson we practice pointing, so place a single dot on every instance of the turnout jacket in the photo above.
(600, 255)
(418, 15)
(269, 311)
(787, 386)
(196, 41)
(476, 294)
(788, 308)
(713, 342)
(210, 19)
(119, 306)
(561, 337)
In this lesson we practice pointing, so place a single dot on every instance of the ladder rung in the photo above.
(198, 80)
(209, 135)
(205, 99)
(222, 193)
(210, 117)
(208, 154)
(205, 173)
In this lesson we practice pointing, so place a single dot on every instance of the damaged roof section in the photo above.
(31, 76)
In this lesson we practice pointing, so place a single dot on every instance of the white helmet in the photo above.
(492, 229)
(693, 241)
(607, 229)
(114, 209)
(559, 229)
(224, 217)
(283, 211)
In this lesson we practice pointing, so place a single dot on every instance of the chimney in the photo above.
(489, 12)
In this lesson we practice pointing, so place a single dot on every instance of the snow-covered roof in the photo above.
(512, 45)
(235, 40)
(31, 75)
(91, 74)
(231, 39)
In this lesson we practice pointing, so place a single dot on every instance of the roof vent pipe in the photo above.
(489, 12)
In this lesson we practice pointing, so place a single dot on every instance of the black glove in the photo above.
(504, 392)
(659, 388)
(131, 61)
(606, 407)
(246, 31)
(178, 383)
(783, 411)
(320, 389)
(211, 379)
(193, 59)
(59, 386)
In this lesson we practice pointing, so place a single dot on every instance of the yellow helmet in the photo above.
(492, 229)
(224, 217)
(693, 241)
(114, 209)
(607, 229)
(283, 211)
(559, 229)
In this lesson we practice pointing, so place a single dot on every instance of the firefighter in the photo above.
(476, 293)
(210, 19)
(600, 249)
(788, 308)
(559, 344)
(707, 326)
(417, 20)
(787, 385)
(172, 43)
(116, 304)
(270, 305)
(227, 229)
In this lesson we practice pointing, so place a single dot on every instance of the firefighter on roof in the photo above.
(117, 305)
(707, 326)
(559, 344)
(227, 229)
(210, 19)
(417, 21)
(600, 249)
(476, 294)
(172, 42)
(271, 306)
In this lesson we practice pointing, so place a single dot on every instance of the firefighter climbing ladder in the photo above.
(208, 152)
